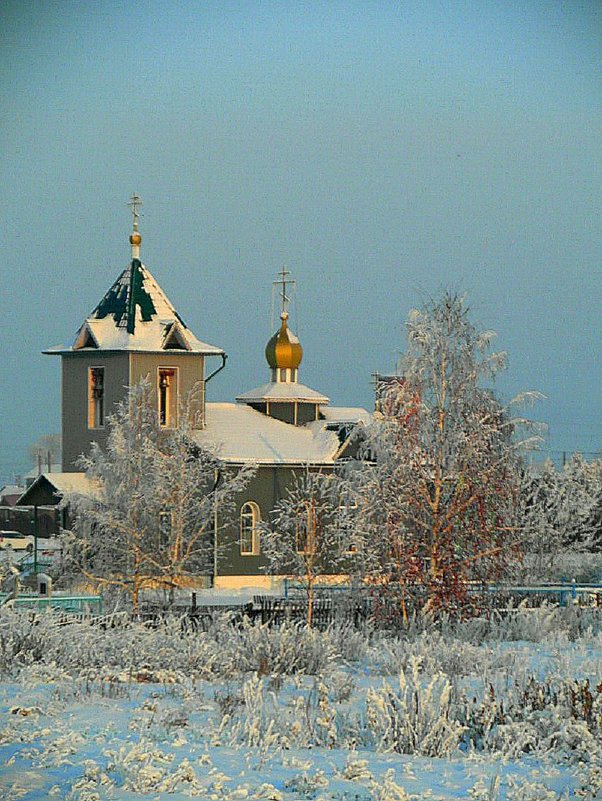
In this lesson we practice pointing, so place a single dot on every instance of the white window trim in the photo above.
(308, 534)
(348, 510)
(255, 513)
(92, 423)
(172, 400)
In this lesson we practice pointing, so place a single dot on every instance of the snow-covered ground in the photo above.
(472, 713)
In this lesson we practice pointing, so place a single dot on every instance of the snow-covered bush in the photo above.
(534, 624)
(223, 650)
(286, 649)
(22, 639)
(415, 720)
(435, 651)
(283, 702)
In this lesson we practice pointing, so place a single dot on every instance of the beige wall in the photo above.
(77, 437)
(122, 369)
(190, 371)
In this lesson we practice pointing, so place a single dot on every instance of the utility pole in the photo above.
(35, 539)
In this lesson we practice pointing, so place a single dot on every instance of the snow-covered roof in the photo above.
(135, 314)
(346, 414)
(240, 434)
(10, 494)
(282, 392)
(62, 484)
(11, 489)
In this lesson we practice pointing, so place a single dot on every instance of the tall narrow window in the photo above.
(165, 524)
(167, 392)
(249, 529)
(96, 397)
(306, 530)
(347, 520)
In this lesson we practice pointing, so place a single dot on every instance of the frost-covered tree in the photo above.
(561, 511)
(306, 538)
(438, 504)
(151, 516)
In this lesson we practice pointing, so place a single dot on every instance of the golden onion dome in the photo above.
(284, 349)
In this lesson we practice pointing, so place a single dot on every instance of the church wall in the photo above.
(266, 488)
(305, 412)
(77, 437)
(283, 411)
(190, 367)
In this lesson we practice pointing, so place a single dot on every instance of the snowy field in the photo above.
(477, 711)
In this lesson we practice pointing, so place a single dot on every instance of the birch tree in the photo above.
(439, 503)
(151, 519)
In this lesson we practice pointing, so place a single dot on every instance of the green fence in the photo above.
(67, 603)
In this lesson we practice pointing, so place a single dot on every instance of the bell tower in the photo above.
(134, 332)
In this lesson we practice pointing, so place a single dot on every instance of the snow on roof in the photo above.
(346, 414)
(282, 392)
(238, 433)
(70, 482)
(135, 314)
(62, 483)
(11, 489)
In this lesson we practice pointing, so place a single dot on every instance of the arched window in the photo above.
(250, 518)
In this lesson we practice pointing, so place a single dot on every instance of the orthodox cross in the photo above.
(135, 202)
(282, 281)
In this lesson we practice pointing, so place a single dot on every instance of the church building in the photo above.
(280, 427)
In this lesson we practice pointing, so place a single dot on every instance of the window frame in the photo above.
(171, 397)
(96, 403)
(346, 512)
(166, 518)
(310, 538)
(254, 515)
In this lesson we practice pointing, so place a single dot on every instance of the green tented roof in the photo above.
(135, 314)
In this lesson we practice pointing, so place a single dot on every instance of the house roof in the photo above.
(346, 414)
(238, 433)
(135, 314)
(11, 489)
(290, 391)
(10, 494)
(57, 484)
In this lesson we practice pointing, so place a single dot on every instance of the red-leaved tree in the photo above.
(438, 502)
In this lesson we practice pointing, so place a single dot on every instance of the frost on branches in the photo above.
(151, 520)
(438, 507)
(562, 516)
(307, 539)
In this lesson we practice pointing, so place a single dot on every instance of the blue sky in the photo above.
(382, 150)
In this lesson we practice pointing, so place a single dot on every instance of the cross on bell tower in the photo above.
(135, 238)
